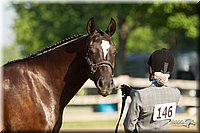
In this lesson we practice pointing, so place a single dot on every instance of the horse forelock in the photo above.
(100, 32)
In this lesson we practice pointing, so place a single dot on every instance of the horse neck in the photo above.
(66, 71)
(70, 69)
(74, 80)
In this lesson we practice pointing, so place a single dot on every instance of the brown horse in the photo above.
(37, 88)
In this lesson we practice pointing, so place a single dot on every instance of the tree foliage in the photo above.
(141, 27)
(40, 25)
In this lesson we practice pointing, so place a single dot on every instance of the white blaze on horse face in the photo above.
(105, 46)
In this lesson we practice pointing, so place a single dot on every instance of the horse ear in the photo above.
(91, 26)
(111, 27)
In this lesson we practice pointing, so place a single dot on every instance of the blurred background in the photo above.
(27, 27)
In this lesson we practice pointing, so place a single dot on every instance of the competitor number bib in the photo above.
(164, 111)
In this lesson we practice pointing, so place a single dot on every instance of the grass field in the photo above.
(110, 126)
(90, 124)
(84, 119)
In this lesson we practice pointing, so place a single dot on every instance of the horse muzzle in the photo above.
(105, 85)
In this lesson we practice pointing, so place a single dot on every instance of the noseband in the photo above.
(93, 67)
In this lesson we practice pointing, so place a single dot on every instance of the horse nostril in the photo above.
(105, 83)
(101, 83)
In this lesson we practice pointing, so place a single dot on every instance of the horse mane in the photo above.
(58, 44)
(47, 49)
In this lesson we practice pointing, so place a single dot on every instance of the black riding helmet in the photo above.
(161, 61)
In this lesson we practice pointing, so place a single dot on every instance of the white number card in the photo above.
(164, 111)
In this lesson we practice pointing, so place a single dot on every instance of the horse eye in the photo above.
(90, 51)
(115, 52)
(97, 40)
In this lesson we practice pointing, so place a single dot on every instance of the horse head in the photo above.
(100, 56)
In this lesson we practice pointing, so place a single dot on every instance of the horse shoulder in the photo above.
(27, 95)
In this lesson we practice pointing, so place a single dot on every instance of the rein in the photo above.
(124, 96)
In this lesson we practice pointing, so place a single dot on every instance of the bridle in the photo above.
(93, 66)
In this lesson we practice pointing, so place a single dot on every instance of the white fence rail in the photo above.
(137, 83)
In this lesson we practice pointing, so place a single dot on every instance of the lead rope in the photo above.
(124, 96)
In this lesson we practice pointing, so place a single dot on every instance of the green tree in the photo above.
(40, 25)
(10, 52)
(141, 27)
(146, 27)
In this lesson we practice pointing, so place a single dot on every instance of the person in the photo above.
(152, 108)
